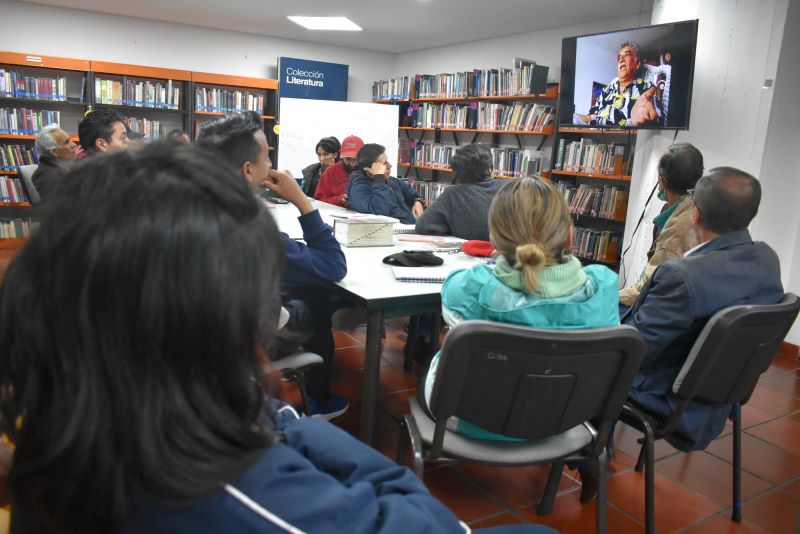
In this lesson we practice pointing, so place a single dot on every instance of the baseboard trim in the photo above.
(789, 349)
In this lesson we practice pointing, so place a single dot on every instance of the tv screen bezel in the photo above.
(563, 103)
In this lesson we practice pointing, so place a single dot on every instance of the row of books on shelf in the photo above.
(17, 85)
(163, 95)
(11, 190)
(525, 78)
(586, 156)
(600, 245)
(608, 202)
(429, 191)
(513, 162)
(520, 116)
(223, 100)
(150, 129)
(426, 154)
(392, 89)
(23, 121)
(15, 228)
(14, 156)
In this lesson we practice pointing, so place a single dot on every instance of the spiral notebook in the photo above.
(434, 275)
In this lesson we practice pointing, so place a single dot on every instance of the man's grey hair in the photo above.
(635, 46)
(45, 142)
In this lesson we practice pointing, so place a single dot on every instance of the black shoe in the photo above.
(423, 351)
(589, 480)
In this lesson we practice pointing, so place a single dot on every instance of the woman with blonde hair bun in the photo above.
(535, 280)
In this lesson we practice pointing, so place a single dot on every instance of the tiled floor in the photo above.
(692, 490)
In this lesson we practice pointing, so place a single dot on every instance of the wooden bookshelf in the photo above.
(139, 71)
(48, 62)
(599, 176)
(13, 242)
(234, 81)
(592, 130)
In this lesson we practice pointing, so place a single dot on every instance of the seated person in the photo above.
(535, 282)
(333, 182)
(180, 136)
(239, 139)
(102, 130)
(327, 151)
(133, 382)
(373, 189)
(728, 269)
(628, 99)
(462, 210)
(678, 171)
(55, 150)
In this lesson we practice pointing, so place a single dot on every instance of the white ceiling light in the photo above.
(326, 23)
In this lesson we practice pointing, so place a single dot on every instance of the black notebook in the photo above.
(420, 274)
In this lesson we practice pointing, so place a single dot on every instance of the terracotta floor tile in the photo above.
(569, 516)
(348, 358)
(396, 404)
(625, 439)
(676, 506)
(708, 476)
(784, 433)
(760, 458)
(777, 511)
(342, 339)
(621, 464)
(794, 486)
(456, 491)
(785, 363)
(722, 524)
(795, 417)
(774, 402)
(394, 379)
(496, 521)
(753, 416)
(514, 486)
(787, 383)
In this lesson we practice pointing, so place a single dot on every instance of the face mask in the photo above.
(662, 195)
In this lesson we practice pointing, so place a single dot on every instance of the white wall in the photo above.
(733, 117)
(86, 35)
(778, 221)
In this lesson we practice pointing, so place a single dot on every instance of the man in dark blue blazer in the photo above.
(728, 268)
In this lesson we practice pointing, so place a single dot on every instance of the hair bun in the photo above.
(531, 255)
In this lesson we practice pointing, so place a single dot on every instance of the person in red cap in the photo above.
(332, 183)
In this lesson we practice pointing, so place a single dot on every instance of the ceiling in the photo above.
(394, 26)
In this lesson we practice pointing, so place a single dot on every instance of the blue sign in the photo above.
(317, 80)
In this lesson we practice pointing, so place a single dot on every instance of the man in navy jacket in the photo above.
(728, 268)
(240, 139)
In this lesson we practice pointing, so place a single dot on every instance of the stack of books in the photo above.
(365, 231)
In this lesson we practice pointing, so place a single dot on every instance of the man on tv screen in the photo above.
(629, 99)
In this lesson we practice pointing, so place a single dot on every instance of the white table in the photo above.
(371, 284)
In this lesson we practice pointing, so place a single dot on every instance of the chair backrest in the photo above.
(531, 383)
(26, 171)
(733, 349)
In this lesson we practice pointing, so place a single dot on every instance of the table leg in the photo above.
(436, 330)
(372, 367)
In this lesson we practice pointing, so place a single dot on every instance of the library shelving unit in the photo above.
(152, 100)
(592, 168)
(217, 94)
(35, 91)
(433, 127)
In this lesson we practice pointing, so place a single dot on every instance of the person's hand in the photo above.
(584, 119)
(282, 183)
(643, 111)
(378, 168)
(344, 201)
(417, 209)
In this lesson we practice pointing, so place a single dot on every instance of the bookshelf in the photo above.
(215, 95)
(592, 169)
(442, 112)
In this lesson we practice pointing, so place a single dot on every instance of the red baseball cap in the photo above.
(350, 146)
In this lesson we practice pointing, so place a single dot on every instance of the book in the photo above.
(417, 238)
(373, 231)
(434, 275)
(401, 228)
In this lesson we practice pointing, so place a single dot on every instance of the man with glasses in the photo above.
(56, 150)
(726, 269)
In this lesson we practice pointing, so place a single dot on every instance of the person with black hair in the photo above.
(372, 188)
(333, 182)
(678, 171)
(462, 210)
(239, 139)
(728, 268)
(102, 130)
(132, 374)
(179, 135)
(327, 151)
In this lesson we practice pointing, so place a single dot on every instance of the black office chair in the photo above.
(543, 386)
(294, 367)
(733, 349)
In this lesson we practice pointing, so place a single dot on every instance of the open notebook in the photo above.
(420, 274)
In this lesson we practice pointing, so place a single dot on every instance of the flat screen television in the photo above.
(604, 84)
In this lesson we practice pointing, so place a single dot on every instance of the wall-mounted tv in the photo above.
(636, 78)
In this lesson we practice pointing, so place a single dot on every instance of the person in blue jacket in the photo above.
(239, 139)
(133, 373)
(372, 188)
